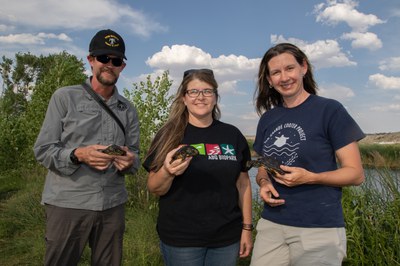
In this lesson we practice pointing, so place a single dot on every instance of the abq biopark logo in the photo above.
(216, 151)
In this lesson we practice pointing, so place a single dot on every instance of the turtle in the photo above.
(269, 163)
(184, 152)
(114, 150)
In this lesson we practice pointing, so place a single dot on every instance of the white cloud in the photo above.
(384, 108)
(180, 55)
(228, 86)
(26, 38)
(233, 66)
(4, 28)
(392, 63)
(249, 116)
(384, 82)
(322, 54)
(76, 15)
(367, 40)
(395, 12)
(336, 91)
(228, 70)
(334, 12)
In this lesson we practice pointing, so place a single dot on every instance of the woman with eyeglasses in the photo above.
(302, 221)
(205, 199)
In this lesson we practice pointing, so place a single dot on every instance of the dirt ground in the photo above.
(382, 138)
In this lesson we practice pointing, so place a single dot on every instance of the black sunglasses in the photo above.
(202, 70)
(104, 59)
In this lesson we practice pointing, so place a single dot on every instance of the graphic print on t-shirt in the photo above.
(221, 151)
(228, 149)
(283, 142)
(200, 147)
(213, 149)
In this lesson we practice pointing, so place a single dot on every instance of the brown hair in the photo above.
(171, 133)
(266, 97)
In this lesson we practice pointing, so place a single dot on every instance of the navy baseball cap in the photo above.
(107, 42)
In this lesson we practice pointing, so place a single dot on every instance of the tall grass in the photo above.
(21, 219)
(372, 215)
(380, 155)
(22, 222)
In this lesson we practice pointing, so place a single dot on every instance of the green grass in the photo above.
(21, 220)
(380, 155)
(10, 182)
(372, 214)
(22, 223)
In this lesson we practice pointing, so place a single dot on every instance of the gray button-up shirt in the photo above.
(75, 119)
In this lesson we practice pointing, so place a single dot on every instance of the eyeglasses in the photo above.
(116, 61)
(195, 92)
(202, 70)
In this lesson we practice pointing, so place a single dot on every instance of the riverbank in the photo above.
(382, 138)
(376, 138)
(380, 150)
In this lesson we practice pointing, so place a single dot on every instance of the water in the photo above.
(381, 179)
(373, 179)
(254, 186)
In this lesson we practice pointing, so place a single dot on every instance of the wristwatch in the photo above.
(73, 157)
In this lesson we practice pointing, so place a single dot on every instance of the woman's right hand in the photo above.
(160, 182)
(178, 166)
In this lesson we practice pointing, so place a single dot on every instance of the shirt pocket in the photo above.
(88, 120)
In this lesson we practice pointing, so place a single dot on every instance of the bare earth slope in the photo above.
(382, 138)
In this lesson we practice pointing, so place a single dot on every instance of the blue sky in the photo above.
(352, 45)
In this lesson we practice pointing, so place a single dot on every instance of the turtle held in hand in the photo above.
(114, 150)
(184, 152)
(269, 163)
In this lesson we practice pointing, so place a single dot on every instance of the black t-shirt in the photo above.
(201, 208)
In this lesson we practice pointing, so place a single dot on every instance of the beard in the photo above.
(104, 81)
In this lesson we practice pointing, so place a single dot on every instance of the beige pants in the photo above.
(277, 245)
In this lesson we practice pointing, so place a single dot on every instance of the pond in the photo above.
(374, 179)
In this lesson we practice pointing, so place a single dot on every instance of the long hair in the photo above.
(266, 97)
(172, 132)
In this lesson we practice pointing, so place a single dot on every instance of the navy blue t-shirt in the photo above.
(201, 207)
(307, 136)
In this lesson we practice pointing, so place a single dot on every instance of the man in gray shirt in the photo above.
(84, 192)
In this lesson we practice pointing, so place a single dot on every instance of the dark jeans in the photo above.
(200, 256)
(68, 231)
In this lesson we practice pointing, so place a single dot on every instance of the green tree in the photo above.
(13, 104)
(13, 100)
(27, 87)
(66, 70)
(152, 101)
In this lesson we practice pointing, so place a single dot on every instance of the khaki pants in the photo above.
(68, 231)
(277, 245)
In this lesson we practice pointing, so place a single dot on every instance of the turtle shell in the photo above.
(114, 150)
(184, 152)
(269, 163)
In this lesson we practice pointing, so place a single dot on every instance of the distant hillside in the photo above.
(379, 138)
(382, 138)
